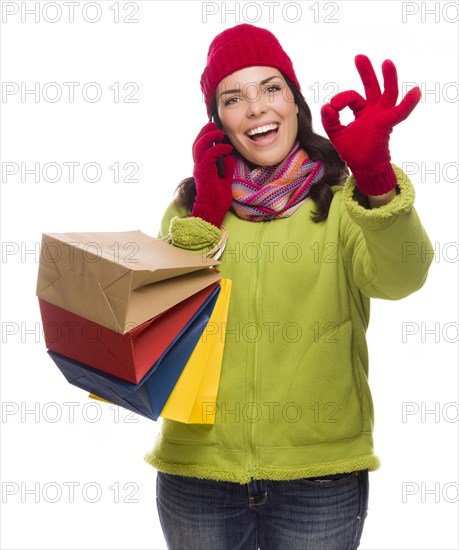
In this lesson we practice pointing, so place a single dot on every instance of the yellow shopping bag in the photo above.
(193, 399)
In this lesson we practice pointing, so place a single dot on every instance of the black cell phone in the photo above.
(220, 163)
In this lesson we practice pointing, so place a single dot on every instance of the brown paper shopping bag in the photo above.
(119, 280)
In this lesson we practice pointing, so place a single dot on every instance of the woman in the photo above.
(286, 463)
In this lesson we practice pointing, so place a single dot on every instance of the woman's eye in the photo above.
(274, 87)
(228, 101)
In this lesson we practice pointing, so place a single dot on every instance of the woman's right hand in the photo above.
(214, 194)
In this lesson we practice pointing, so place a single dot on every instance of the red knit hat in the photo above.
(240, 47)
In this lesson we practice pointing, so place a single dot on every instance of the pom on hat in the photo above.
(240, 47)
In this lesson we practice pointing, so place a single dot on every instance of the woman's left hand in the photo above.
(364, 143)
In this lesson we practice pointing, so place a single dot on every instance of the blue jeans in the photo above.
(319, 513)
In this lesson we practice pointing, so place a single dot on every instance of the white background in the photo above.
(164, 54)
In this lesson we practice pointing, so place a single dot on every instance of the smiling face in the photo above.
(258, 114)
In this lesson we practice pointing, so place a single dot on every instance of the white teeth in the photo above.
(262, 129)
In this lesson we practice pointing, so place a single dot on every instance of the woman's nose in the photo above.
(256, 106)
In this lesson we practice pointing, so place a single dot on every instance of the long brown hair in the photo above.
(317, 147)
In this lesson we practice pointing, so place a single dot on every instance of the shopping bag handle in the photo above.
(216, 251)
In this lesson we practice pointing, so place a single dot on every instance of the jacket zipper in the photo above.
(256, 307)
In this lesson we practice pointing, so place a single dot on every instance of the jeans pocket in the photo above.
(331, 480)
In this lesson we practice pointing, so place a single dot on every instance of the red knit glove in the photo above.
(214, 194)
(364, 143)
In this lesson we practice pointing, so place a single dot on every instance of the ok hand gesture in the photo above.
(364, 143)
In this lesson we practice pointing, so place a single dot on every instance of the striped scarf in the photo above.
(277, 191)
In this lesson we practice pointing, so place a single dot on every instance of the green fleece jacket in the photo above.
(294, 399)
